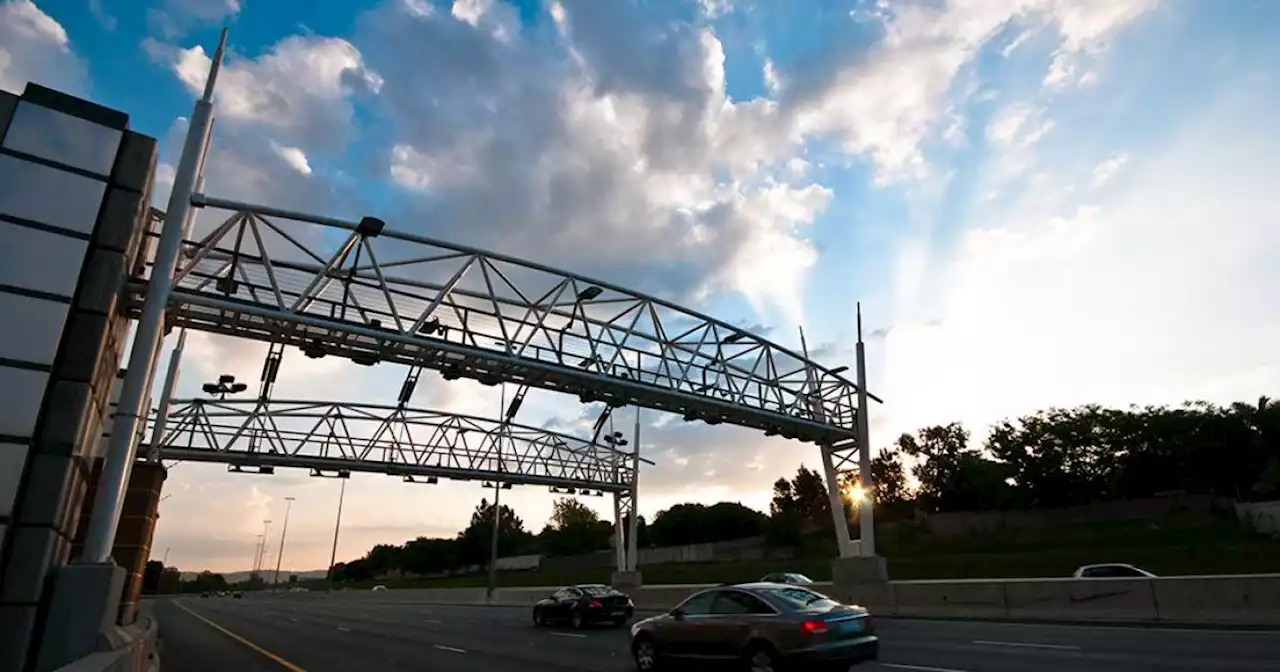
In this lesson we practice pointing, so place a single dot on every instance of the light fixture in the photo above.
(590, 293)
(838, 370)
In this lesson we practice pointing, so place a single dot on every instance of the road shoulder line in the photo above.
(269, 655)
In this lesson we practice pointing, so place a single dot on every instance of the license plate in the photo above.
(852, 625)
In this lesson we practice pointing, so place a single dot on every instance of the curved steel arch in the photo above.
(364, 292)
(340, 436)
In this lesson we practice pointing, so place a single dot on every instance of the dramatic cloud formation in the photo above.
(1024, 190)
(34, 47)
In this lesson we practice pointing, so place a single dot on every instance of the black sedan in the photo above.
(584, 605)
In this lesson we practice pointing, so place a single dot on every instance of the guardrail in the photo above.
(133, 648)
(1252, 599)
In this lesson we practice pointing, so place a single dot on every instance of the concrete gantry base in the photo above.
(626, 579)
(85, 600)
(863, 581)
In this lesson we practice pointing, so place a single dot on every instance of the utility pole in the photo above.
(283, 532)
(337, 525)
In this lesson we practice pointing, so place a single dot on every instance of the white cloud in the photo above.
(173, 17)
(1105, 171)
(565, 151)
(1145, 296)
(301, 89)
(1087, 29)
(890, 104)
(296, 158)
(35, 48)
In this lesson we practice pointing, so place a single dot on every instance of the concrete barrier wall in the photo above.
(1238, 600)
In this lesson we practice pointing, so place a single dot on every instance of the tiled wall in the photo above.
(74, 185)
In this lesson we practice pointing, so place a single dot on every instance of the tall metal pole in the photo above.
(166, 393)
(165, 561)
(257, 555)
(633, 544)
(866, 521)
(114, 481)
(288, 504)
(262, 551)
(337, 525)
(497, 508)
(619, 541)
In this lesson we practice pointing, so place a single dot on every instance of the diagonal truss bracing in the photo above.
(360, 291)
(336, 436)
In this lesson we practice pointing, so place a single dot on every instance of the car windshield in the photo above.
(799, 598)
(596, 590)
(801, 578)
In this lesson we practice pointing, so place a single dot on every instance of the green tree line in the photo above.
(1048, 459)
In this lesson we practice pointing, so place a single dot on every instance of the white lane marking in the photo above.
(432, 621)
(568, 634)
(342, 629)
(452, 649)
(1028, 645)
(919, 668)
(293, 620)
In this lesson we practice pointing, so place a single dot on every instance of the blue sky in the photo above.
(1037, 202)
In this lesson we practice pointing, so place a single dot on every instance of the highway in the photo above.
(317, 635)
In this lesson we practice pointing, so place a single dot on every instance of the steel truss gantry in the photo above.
(370, 294)
(332, 436)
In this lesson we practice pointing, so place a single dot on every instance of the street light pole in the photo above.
(337, 525)
(275, 582)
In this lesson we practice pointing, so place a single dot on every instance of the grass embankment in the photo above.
(1170, 546)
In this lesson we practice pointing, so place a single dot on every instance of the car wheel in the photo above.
(761, 659)
(539, 618)
(577, 620)
(645, 653)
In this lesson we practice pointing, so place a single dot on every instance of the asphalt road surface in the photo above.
(314, 635)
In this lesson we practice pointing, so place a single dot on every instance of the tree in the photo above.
(474, 541)
(574, 528)
(952, 475)
(685, 524)
(430, 556)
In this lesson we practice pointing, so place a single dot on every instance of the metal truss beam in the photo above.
(370, 294)
(337, 436)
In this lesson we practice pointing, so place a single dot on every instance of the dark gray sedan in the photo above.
(758, 626)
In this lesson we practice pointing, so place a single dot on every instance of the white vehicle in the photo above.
(788, 577)
(1113, 570)
(379, 588)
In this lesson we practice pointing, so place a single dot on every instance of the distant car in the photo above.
(583, 605)
(787, 577)
(761, 626)
(237, 595)
(379, 588)
(1113, 570)
(204, 594)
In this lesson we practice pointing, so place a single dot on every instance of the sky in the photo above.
(1036, 202)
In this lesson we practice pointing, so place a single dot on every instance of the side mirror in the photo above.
(677, 613)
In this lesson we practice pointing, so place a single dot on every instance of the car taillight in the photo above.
(595, 604)
(814, 627)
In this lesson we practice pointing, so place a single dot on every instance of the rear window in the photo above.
(799, 598)
(596, 590)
